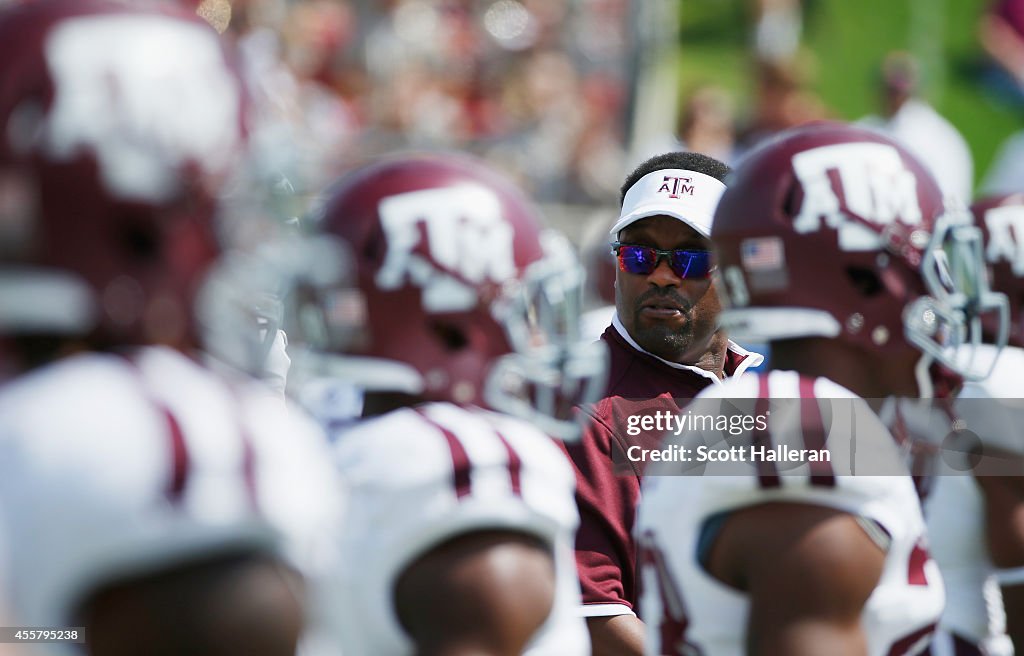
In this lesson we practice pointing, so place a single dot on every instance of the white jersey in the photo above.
(422, 476)
(111, 467)
(993, 410)
(810, 415)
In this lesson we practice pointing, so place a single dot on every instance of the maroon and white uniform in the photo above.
(460, 301)
(607, 483)
(688, 611)
(974, 621)
(113, 466)
(130, 117)
(422, 476)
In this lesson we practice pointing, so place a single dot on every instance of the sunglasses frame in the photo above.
(659, 254)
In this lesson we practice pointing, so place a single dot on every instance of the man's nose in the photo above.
(663, 275)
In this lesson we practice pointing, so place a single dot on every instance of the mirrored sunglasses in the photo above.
(688, 264)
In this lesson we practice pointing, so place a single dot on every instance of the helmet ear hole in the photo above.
(373, 249)
(453, 337)
(865, 281)
(794, 199)
(139, 238)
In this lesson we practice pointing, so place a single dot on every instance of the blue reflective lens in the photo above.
(685, 263)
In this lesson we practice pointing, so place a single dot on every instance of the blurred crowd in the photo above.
(545, 90)
(537, 87)
(783, 78)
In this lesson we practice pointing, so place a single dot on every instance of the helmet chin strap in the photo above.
(925, 387)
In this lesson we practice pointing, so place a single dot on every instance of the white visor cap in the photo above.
(688, 196)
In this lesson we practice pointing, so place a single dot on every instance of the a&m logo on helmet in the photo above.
(875, 184)
(1006, 241)
(446, 241)
(146, 95)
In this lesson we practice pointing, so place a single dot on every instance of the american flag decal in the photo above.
(761, 254)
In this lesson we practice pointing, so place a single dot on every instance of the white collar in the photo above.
(750, 359)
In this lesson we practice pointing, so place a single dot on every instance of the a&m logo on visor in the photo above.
(677, 186)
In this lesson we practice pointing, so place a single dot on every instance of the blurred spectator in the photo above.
(707, 124)
(599, 152)
(547, 121)
(597, 258)
(1006, 174)
(913, 122)
(783, 100)
(778, 28)
(1001, 33)
(306, 127)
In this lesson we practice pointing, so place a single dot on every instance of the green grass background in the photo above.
(848, 39)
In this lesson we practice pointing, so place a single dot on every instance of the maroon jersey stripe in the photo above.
(180, 460)
(813, 430)
(460, 459)
(515, 466)
(767, 473)
(915, 570)
(674, 621)
(906, 644)
(249, 467)
(460, 464)
(248, 450)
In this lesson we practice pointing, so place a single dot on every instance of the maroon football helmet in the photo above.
(120, 121)
(600, 262)
(1001, 219)
(835, 231)
(460, 295)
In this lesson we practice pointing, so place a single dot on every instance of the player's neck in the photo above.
(23, 354)
(816, 357)
(713, 357)
(379, 403)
